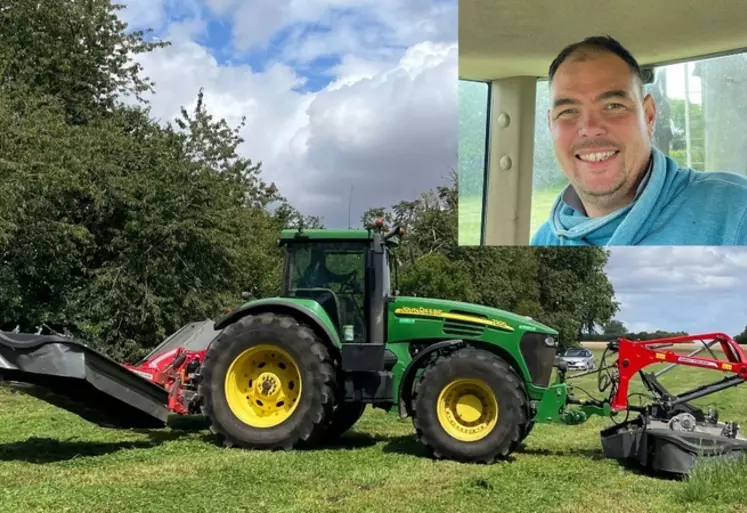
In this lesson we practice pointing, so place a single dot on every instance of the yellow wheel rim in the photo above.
(467, 409)
(262, 386)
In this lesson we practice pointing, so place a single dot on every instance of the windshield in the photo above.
(387, 284)
(576, 353)
(332, 273)
(338, 266)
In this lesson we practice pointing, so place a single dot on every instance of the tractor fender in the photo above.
(408, 376)
(305, 310)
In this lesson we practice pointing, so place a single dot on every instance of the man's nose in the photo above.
(591, 125)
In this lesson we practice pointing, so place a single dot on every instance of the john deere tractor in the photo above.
(301, 367)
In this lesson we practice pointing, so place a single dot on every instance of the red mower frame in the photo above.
(174, 370)
(635, 355)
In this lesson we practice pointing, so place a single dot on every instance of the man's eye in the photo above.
(611, 106)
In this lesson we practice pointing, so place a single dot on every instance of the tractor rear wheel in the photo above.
(470, 406)
(267, 382)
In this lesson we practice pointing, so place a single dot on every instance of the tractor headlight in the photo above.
(549, 341)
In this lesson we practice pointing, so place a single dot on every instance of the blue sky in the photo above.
(336, 93)
(218, 33)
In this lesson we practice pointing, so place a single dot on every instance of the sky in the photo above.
(336, 93)
(680, 288)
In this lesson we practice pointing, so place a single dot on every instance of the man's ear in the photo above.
(649, 113)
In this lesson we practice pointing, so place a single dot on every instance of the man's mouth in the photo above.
(599, 156)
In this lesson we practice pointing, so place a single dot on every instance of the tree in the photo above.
(742, 337)
(574, 291)
(76, 52)
(614, 328)
(113, 226)
(127, 233)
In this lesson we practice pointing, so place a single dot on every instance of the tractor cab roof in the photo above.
(323, 235)
(515, 38)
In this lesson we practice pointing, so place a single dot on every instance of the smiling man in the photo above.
(623, 190)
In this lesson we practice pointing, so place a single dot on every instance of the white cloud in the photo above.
(353, 69)
(637, 327)
(390, 134)
(676, 268)
(255, 22)
(386, 125)
(266, 99)
(693, 289)
(365, 28)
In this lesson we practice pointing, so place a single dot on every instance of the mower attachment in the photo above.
(77, 378)
(672, 446)
(671, 434)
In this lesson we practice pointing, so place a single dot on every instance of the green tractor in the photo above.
(301, 368)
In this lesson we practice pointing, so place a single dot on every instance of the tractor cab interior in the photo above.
(332, 273)
(695, 57)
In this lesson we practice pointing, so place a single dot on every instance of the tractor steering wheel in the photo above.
(349, 282)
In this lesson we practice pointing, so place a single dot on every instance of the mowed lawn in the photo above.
(470, 215)
(51, 460)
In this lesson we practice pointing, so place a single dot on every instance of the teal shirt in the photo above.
(673, 206)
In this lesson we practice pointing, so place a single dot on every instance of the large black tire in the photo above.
(314, 365)
(500, 381)
(527, 431)
(344, 417)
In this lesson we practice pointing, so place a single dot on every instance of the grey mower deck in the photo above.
(654, 446)
(75, 377)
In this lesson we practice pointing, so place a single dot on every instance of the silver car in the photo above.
(579, 358)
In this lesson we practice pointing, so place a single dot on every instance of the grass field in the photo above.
(51, 460)
(470, 215)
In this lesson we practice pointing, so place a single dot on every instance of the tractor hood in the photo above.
(434, 306)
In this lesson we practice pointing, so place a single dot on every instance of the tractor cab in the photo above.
(345, 271)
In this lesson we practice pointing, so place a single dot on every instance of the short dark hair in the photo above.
(599, 43)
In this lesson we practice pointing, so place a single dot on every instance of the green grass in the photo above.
(50, 460)
(470, 215)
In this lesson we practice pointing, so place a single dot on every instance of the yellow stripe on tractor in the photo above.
(440, 314)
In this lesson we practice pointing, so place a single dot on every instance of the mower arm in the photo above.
(635, 355)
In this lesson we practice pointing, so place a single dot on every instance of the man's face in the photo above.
(601, 129)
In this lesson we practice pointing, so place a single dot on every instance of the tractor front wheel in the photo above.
(267, 382)
(470, 406)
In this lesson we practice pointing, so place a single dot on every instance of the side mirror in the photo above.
(397, 230)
